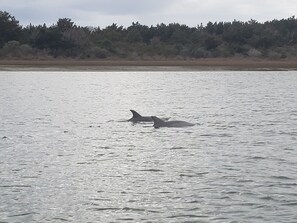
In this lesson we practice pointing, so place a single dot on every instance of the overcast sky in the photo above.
(147, 12)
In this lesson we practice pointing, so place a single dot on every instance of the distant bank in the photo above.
(211, 64)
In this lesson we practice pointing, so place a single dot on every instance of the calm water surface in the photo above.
(66, 154)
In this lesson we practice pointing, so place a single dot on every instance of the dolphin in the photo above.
(138, 118)
(158, 123)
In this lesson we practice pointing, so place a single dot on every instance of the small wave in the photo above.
(245, 181)
(169, 181)
(99, 199)
(165, 192)
(30, 177)
(177, 148)
(152, 170)
(282, 177)
(289, 204)
(125, 219)
(105, 147)
(289, 149)
(194, 202)
(105, 209)
(123, 120)
(257, 158)
(232, 192)
(221, 219)
(17, 186)
(187, 175)
(133, 209)
(119, 209)
(21, 214)
(217, 135)
(94, 126)
(289, 185)
(82, 163)
(187, 216)
(288, 133)
(60, 219)
(193, 174)
(259, 143)
(99, 154)
(267, 198)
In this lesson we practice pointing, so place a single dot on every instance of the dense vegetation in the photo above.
(274, 39)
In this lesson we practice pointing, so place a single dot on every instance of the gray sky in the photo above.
(147, 12)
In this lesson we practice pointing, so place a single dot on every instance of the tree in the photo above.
(138, 33)
(113, 33)
(65, 24)
(9, 28)
(274, 39)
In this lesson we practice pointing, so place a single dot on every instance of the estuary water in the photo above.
(68, 155)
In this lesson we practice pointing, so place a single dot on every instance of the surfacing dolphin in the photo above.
(158, 123)
(138, 118)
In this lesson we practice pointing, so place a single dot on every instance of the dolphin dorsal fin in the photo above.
(135, 114)
(157, 120)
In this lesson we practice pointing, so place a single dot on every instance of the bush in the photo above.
(13, 49)
(95, 52)
(254, 53)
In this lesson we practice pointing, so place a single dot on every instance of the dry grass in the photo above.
(135, 65)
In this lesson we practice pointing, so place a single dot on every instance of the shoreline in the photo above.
(209, 64)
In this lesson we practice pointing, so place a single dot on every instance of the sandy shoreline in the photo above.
(147, 65)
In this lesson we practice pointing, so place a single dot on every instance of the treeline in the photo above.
(273, 39)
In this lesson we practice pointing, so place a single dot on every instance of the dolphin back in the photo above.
(177, 124)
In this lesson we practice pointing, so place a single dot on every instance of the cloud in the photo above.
(193, 12)
(148, 12)
(125, 7)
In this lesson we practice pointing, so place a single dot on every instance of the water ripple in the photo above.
(69, 155)
(21, 214)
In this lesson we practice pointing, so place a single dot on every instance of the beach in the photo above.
(147, 65)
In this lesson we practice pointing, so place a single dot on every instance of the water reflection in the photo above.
(67, 155)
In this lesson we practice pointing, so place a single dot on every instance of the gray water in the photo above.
(67, 154)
